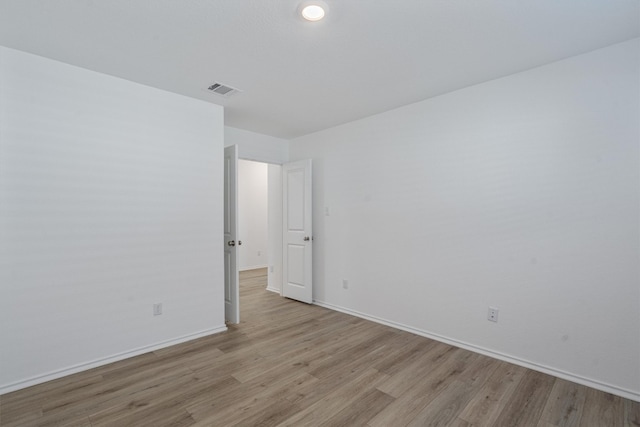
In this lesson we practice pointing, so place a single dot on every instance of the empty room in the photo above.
(320, 213)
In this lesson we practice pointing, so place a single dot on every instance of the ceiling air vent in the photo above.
(222, 90)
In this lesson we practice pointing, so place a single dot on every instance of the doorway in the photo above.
(299, 227)
(259, 218)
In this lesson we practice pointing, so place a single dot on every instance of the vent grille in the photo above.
(222, 90)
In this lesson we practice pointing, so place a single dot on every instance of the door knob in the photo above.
(239, 242)
(231, 243)
(306, 238)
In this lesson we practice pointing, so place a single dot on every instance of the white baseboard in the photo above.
(253, 267)
(7, 388)
(608, 388)
(276, 290)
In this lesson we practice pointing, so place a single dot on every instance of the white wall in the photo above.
(252, 214)
(257, 146)
(110, 201)
(520, 193)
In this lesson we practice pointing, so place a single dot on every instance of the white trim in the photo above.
(105, 360)
(608, 388)
(253, 267)
(276, 290)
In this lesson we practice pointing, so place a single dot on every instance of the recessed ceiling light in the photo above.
(313, 12)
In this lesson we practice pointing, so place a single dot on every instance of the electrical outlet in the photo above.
(157, 309)
(271, 268)
(492, 314)
(345, 283)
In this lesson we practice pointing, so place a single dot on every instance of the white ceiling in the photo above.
(297, 77)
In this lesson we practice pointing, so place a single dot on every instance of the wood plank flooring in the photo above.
(292, 364)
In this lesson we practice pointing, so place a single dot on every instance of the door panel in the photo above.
(231, 290)
(296, 264)
(297, 238)
(295, 207)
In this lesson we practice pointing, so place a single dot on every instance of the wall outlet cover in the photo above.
(492, 314)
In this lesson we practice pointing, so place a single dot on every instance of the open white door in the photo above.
(231, 290)
(297, 228)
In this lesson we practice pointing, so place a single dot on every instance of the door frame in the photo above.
(247, 153)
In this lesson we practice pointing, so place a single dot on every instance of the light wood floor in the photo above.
(293, 364)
